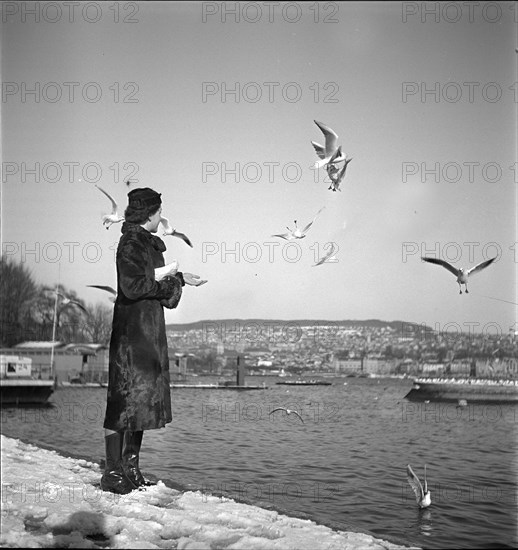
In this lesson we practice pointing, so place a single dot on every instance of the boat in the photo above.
(220, 386)
(305, 383)
(466, 390)
(80, 383)
(18, 385)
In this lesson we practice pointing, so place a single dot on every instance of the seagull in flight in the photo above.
(66, 301)
(109, 289)
(335, 174)
(460, 273)
(328, 257)
(288, 412)
(297, 233)
(114, 217)
(327, 152)
(422, 496)
(169, 230)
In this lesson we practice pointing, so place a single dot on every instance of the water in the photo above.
(344, 467)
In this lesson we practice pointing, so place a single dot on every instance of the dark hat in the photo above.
(144, 197)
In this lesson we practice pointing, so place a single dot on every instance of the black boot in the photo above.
(114, 479)
(130, 458)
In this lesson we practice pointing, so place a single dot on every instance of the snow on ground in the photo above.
(51, 501)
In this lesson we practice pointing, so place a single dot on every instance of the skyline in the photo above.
(217, 114)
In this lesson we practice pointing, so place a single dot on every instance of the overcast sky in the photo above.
(213, 105)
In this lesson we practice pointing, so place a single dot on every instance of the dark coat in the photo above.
(139, 394)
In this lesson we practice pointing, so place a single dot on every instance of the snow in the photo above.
(52, 501)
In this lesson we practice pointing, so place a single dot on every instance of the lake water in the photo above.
(344, 466)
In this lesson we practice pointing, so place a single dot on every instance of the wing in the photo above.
(480, 266)
(166, 224)
(295, 412)
(331, 138)
(337, 157)
(114, 204)
(283, 236)
(277, 409)
(311, 222)
(183, 237)
(107, 288)
(445, 264)
(414, 482)
(327, 256)
(321, 152)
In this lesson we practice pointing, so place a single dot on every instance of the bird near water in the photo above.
(422, 494)
(461, 274)
(288, 412)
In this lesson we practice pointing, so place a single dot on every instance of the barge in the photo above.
(469, 390)
(18, 386)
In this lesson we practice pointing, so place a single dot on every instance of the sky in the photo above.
(213, 105)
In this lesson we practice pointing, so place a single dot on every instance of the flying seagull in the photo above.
(288, 412)
(336, 175)
(327, 152)
(108, 289)
(114, 217)
(297, 233)
(328, 257)
(169, 230)
(422, 496)
(462, 276)
(66, 301)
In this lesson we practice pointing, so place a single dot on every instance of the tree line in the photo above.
(28, 311)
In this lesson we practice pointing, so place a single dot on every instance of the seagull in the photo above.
(114, 217)
(335, 174)
(328, 257)
(169, 230)
(108, 289)
(297, 233)
(288, 411)
(65, 301)
(328, 152)
(422, 496)
(462, 276)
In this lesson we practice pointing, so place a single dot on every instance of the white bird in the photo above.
(297, 233)
(328, 257)
(336, 175)
(462, 276)
(108, 289)
(66, 301)
(169, 230)
(114, 217)
(328, 152)
(288, 412)
(422, 495)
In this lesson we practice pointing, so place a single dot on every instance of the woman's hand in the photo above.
(193, 280)
(169, 269)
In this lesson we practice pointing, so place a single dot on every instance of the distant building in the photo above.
(86, 361)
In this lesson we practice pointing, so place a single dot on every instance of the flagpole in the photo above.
(54, 323)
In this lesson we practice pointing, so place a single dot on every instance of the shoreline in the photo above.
(51, 500)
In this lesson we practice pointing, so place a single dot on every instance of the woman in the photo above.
(138, 388)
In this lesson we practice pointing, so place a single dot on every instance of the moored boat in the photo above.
(470, 390)
(18, 386)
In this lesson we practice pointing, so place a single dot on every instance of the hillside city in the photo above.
(343, 349)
